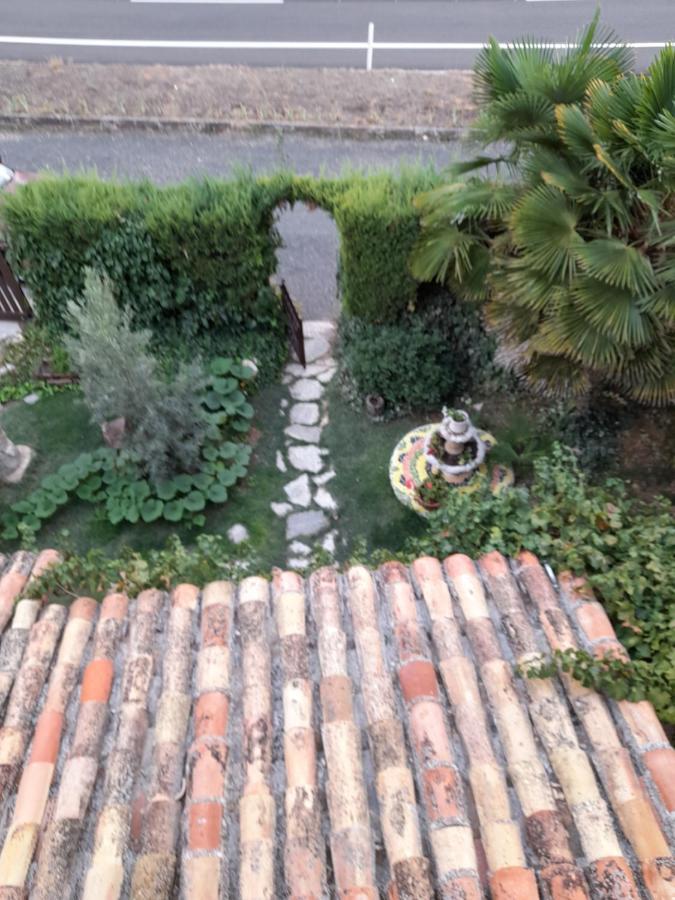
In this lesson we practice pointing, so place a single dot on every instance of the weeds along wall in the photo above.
(196, 258)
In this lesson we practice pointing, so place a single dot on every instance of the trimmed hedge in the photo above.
(186, 259)
(378, 227)
(195, 259)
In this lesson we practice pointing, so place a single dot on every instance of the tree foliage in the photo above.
(573, 246)
(165, 422)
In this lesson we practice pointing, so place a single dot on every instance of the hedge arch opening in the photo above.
(307, 258)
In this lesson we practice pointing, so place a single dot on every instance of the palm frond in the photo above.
(522, 114)
(463, 167)
(493, 73)
(442, 253)
(658, 87)
(576, 337)
(613, 312)
(610, 102)
(526, 287)
(660, 304)
(544, 228)
(576, 132)
(466, 200)
(617, 264)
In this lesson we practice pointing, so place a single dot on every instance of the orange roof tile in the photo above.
(359, 736)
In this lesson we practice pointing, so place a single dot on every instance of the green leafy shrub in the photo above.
(118, 482)
(426, 358)
(575, 257)
(623, 546)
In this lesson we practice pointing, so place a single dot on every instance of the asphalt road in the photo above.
(189, 29)
(308, 260)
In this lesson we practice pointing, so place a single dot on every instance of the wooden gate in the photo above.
(14, 307)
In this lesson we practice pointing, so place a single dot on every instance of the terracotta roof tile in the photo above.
(361, 736)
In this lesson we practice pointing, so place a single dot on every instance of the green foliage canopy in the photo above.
(575, 253)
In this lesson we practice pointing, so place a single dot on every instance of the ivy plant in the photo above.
(623, 546)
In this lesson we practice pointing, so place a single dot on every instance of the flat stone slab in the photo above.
(281, 509)
(325, 500)
(325, 477)
(299, 548)
(305, 524)
(310, 434)
(305, 459)
(315, 348)
(31, 399)
(304, 414)
(318, 328)
(311, 370)
(281, 465)
(327, 375)
(306, 389)
(329, 541)
(298, 491)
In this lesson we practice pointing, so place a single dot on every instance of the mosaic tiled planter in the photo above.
(411, 466)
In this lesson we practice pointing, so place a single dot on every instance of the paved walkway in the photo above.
(309, 507)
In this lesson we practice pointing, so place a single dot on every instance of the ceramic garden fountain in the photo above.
(434, 459)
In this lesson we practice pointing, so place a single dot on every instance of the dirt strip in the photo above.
(387, 98)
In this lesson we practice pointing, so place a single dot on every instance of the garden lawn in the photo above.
(59, 429)
(359, 452)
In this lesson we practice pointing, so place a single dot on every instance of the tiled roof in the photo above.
(352, 736)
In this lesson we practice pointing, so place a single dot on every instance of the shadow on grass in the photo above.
(360, 451)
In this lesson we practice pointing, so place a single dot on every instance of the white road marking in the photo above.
(232, 2)
(295, 45)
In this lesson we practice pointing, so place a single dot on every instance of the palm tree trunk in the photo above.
(14, 459)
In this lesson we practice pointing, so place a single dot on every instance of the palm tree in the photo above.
(573, 249)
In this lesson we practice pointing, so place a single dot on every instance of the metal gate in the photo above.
(14, 307)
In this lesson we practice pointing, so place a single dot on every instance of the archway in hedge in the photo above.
(307, 259)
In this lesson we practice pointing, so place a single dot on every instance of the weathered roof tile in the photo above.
(232, 742)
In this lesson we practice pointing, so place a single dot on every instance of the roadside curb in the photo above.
(218, 126)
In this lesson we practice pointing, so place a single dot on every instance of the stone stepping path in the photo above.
(308, 505)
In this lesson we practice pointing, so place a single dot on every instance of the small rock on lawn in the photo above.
(281, 509)
(238, 534)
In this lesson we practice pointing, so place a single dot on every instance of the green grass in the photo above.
(359, 452)
(59, 428)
